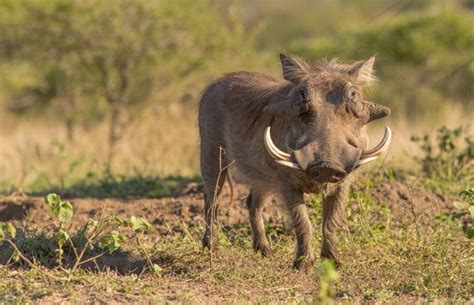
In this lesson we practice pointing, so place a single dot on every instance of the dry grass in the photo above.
(386, 258)
(163, 140)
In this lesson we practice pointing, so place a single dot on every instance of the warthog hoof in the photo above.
(263, 248)
(302, 262)
(206, 242)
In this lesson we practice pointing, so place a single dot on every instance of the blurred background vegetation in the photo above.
(109, 88)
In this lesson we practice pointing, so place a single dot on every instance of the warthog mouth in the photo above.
(284, 158)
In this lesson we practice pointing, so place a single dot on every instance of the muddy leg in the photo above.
(332, 211)
(255, 202)
(304, 233)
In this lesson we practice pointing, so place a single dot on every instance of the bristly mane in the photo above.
(254, 91)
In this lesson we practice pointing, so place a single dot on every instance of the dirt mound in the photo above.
(408, 203)
(185, 207)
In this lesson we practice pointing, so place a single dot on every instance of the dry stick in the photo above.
(86, 246)
(31, 264)
(214, 204)
(146, 254)
(73, 247)
(414, 214)
(91, 259)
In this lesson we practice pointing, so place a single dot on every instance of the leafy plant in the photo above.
(70, 250)
(328, 277)
(447, 158)
(7, 231)
(468, 196)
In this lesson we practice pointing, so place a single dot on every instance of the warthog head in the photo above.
(327, 114)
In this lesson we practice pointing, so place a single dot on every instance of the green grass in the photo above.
(385, 259)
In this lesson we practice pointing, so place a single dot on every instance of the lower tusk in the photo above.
(363, 161)
(279, 156)
(378, 150)
(288, 163)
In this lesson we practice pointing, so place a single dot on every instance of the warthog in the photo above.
(304, 134)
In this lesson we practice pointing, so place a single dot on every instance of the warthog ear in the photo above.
(294, 69)
(364, 71)
(296, 103)
(375, 111)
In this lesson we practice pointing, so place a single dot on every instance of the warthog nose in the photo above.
(325, 172)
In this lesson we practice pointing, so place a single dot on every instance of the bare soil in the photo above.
(183, 210)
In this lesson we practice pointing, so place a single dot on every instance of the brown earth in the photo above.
(186, 206)
(184, 210)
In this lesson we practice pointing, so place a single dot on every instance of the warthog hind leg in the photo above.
(214, 175)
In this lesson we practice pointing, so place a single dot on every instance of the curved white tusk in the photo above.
(288, 163)
(279, 156)
(272, 147)
(378, 150)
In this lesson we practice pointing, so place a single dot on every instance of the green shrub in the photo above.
(448, 159)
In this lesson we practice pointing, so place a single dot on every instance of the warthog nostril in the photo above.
(324, 172)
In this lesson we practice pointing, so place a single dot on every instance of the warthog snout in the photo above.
(326, 172)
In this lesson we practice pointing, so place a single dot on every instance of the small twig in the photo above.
(31, 264)
(148, 258)
(91, 259)
(73, 247)
(84, 249)
(214, 203)
(412, 210)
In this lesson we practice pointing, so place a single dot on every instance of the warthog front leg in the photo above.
(332, 211)
(255, 202)
(304, 233)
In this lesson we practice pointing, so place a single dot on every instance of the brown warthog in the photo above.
(318, 137)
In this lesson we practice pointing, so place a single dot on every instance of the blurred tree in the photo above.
(97, 58)
(426, 58)
(87, 51)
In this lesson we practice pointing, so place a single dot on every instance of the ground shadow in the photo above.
(10, 211)
(122, 262)
(41, 249)
(122, 187)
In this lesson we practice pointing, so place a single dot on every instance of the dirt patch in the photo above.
(185, 207)
(240, 274)
(408, 204)
(14, 211)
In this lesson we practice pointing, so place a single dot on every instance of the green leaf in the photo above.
(156, 269)
(471, 210)
(7, 231)
(61, 235)
(16, 256)
(458, 205)
(140, 224)
(62, 210)
(111, 242)
(11, 230)
(65, 211)
(53, 199)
